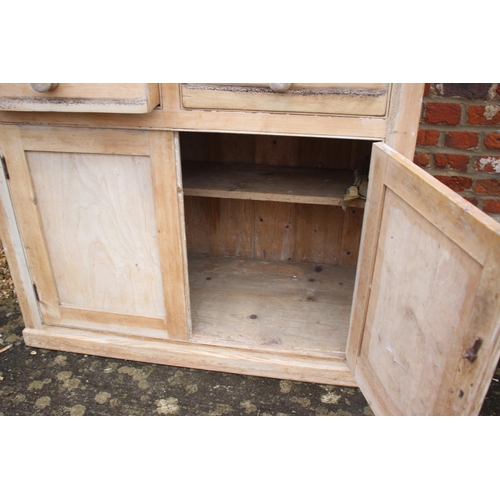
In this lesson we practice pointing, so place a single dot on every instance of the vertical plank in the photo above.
(369, 239)
(403, 118)
(232, 227)
(351, 236)
(274, 230)
(197, 217)
(276, 150)
(318, 234)
(324, 153)
(16, 257)
(237, 148)
(169, 212)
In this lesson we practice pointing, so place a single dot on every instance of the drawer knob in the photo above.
(43, 87)
(280, 87)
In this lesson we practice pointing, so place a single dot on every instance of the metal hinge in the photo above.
(4, 167)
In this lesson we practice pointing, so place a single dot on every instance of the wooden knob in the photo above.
(280, 87)
(43, 87)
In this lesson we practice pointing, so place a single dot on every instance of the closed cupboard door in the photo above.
(99, 216)
(425, 323)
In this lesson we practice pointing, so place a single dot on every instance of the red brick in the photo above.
(492, 141)
(421, 159)
(488, 186)
(461, 140)
(443, 113)
(488, 164)
(471, 200)
(456, 162)
(492, 206)
(427, 137)
(427, 89)
(466, 90)
(481, 115)
(455, 183)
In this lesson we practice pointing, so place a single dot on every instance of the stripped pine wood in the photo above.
(273, 150)
(232, 227)
(352, 99)
(279, 306)
(197, 221)
(25, 205)
(432, 305)
(82, 97)
(275, 231)
(171, 116)
(266, 183)
(100, 234)
(270, 230)
(169, 213)
(351, 236)
(276, 151)
(14, 250)
(282, 365)
(319, 233)
(85, 141)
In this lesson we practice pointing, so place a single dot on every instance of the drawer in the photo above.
(353, 99)
(80, 97)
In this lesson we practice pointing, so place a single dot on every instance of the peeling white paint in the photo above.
(489, 161)
(490, 111)
(492, 91)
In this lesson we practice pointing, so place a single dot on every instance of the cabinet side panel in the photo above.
(98, 217)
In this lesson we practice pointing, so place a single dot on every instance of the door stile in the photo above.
(367, 256)
(168, 201)
(24, 200)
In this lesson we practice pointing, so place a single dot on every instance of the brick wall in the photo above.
(459, 140)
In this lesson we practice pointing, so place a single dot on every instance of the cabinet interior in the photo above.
(272, 252)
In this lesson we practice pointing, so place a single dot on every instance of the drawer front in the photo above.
(80, 97)
(313, 98)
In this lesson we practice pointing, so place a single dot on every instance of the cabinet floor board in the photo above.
(282, 306)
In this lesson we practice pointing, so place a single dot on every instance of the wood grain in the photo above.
(318, 369)
(82, 97)
(424, 295)
(266, 183)
(278, 306)
(355, 99)
(100, 233)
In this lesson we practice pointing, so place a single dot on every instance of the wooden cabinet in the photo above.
(197, 245)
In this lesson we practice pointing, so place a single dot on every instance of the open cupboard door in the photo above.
(425, 324)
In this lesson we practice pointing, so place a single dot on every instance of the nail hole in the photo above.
(348, 253)
(318, 269)
(208, 279)
(461, 394)
(311, 279)
(253, 316)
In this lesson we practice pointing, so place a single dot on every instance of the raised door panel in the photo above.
(424, 335)
(99, 214)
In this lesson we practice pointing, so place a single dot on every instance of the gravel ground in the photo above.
(43, 382)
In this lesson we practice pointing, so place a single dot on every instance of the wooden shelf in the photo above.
(316, 186)
(302, 308)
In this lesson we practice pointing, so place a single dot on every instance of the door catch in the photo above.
(471, 354)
